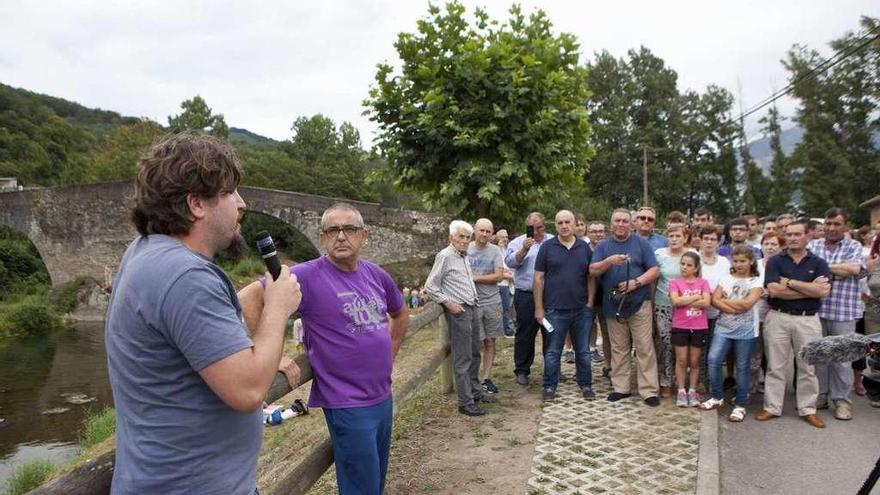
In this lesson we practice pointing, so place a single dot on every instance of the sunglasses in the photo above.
(645, 219)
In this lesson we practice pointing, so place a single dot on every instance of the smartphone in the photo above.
(530, 231)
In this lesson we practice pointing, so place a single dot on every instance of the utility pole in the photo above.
(645, 175)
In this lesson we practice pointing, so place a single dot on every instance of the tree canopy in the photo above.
(483, 115)
(197, 115)
(838, 160)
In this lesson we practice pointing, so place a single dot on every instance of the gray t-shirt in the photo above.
(485, 262)
(173, 312)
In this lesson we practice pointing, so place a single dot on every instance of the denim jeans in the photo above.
(576, 322)
(718, 350)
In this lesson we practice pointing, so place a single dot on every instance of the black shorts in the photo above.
(682, 337)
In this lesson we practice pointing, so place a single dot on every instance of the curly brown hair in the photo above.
(176, 166)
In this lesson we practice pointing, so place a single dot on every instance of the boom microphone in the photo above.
(266, 247)
(839, 349)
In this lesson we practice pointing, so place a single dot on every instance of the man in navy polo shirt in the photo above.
(796, 281)
(561, 290)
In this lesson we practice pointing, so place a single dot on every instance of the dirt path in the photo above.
(447, 452)
(436, 450)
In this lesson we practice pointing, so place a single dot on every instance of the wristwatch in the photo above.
(638, 282)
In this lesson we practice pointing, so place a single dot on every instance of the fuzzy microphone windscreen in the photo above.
(836, 349)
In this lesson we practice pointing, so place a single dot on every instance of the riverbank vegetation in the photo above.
(97, 427)
(29, 476)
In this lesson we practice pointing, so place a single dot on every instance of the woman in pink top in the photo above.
(690, 296)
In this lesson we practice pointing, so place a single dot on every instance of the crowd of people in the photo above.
(706, 310)
(190, 359)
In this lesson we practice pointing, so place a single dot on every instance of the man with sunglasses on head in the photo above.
(646, 220)
(354, 322)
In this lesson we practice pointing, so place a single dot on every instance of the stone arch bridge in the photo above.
(83, 230)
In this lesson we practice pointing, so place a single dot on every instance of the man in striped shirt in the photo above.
(840, 308)
(451, 284)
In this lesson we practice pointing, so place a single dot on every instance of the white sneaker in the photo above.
(693, 399)
(711, 403)
(682, 399)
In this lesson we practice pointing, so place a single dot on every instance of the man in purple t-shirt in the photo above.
(354, 322)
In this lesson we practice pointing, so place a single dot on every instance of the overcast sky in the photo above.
(262, 64)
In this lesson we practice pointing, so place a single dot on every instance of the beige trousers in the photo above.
(784, 335)
(636, 331)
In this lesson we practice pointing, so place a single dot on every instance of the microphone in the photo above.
(839, 349)
(266, 247)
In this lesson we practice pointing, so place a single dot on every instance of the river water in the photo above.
(48, 384)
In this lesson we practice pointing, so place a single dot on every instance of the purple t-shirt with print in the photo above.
(346, 331)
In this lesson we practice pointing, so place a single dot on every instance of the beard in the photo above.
(237, 249)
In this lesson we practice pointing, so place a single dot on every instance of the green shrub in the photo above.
(97, 428)
(29, 476)
(28, 316)
(63, 298)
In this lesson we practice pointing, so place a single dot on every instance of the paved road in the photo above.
(786, 455)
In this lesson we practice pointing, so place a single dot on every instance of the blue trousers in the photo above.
(361, 439)
(578, 323)
(718, 350)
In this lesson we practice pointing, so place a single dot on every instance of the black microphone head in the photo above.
(265, 244)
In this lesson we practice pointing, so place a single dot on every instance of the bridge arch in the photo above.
(83, 230)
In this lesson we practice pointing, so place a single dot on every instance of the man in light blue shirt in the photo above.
(646, 220)
(520, 258)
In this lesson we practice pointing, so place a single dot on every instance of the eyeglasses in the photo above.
(596, 231)
(645, 218)
(348, 230)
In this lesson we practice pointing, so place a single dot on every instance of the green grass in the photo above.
(97, 428)
(28, 476)
(245, 270)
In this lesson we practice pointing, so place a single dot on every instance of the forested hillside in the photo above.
(48, 141)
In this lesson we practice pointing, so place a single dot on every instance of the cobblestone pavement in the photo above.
(613, 447)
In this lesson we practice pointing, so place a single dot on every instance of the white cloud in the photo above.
(264, 64)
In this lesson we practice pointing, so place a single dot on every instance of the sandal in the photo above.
(711, 403)
(737, 415)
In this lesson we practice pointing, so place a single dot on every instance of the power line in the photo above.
(840, 56)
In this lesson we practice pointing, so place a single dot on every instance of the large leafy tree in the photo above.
(838, 159)
(336, 162)
(484, 116)
(706, 137)
(688, 139)
(318, 159)
(197, 115)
